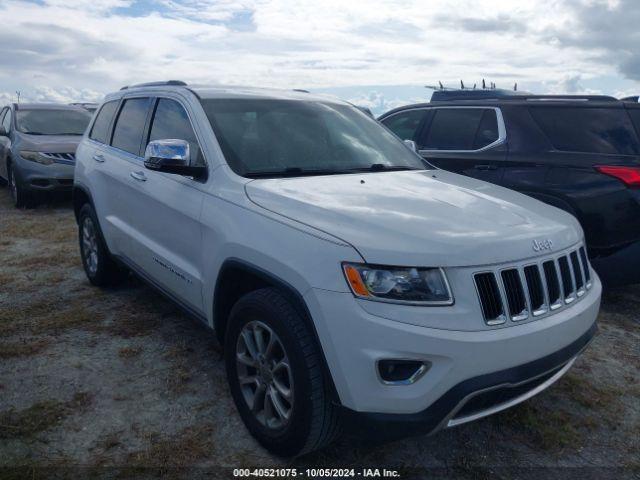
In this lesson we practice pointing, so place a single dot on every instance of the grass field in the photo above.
(121, 384)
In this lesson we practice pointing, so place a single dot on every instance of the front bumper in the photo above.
(474, 398)
(353, 340)
(38, 177)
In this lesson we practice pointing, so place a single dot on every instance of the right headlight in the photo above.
(406, 285)
(36, 157)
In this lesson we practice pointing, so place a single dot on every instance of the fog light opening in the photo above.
(401, 372)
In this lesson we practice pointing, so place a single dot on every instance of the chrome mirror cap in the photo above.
(411, 145)
(160, 154)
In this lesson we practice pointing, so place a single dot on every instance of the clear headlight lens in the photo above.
(36, 157)
(411, 285)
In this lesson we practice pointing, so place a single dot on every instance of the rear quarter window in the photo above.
(588, 129)
(100, 129)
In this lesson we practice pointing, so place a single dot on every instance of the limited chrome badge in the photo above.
(541, 245)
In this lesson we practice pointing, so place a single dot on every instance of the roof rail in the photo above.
(176, 83)
(578, 98)
(448, 94)
(498, 94)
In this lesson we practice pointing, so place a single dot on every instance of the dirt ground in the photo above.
(119, 383)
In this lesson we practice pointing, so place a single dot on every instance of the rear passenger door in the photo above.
(466, 140)
(166, 209)
(117, 134)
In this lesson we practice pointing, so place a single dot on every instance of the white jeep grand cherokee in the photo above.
(349, 281)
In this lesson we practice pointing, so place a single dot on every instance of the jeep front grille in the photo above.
(518, 292)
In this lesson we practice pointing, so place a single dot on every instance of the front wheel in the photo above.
(21, 197)
(100, 268)
(275, 373)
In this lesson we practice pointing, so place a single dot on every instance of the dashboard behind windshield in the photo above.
(263, 137)
(52, 122)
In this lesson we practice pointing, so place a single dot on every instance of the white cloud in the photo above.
(97, 46)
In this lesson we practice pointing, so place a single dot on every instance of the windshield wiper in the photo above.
(293, 172)
(301, 172)
(381, 167)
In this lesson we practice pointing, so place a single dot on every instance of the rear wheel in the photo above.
(21, 197)
(99, 266)
(275, 373)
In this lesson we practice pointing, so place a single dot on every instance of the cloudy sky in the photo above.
(378, 53)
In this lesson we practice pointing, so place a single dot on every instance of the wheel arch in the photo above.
(236, 278)
(80, 196)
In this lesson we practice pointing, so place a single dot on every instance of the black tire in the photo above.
(314, 419)
(21, 197)
(105, 271)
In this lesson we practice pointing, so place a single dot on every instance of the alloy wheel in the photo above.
(264, 374)
(89, 245)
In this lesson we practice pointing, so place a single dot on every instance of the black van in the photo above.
(578, 153)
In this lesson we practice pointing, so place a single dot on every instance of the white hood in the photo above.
(425, 218)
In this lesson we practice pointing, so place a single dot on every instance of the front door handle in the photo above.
(486, 167)
(98, 157)
(139, 176)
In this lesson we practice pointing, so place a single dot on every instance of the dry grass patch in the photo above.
(40, 416)
(190, 446)
(587, 394)
(22, 349)
(543, 428)
(129, 352)
(47, 317)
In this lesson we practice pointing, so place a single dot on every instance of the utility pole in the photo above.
(18, 94)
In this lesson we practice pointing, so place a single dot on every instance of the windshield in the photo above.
(52, 122)
(261, 138)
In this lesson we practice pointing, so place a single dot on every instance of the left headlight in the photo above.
(36, 157)
(408, 285)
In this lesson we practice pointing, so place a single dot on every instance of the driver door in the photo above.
(167, 209)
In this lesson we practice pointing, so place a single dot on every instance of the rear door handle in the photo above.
(139, 176)
(98, 157)
(486, 167)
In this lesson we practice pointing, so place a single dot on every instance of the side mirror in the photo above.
(171, 156)
(3, 132)
(411, 145)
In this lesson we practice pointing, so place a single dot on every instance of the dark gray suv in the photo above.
(37, 148)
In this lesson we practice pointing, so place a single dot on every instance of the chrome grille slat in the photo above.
(585, 266)
(578, 279)
(535, 289)
(490, 298)
(554, 294)
(566, 278)
(537, 297)
(516, 301)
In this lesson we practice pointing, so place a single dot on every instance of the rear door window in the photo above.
(588, 129)
(634, 113)
(405, 124)
(128, 132)
(460, 129)
(171, 121)
(100, 129)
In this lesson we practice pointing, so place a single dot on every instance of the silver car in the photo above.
(37, 148)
